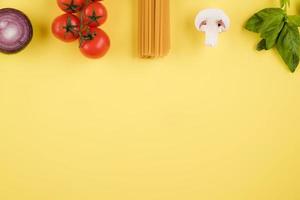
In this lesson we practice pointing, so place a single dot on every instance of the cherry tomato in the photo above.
(94, 14)
(94, 43)
(71, 6)
(66, 27)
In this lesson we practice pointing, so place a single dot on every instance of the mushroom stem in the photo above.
(211, 36)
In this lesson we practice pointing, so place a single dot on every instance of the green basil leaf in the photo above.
(266, 13)
(288, 46)
(271, 30)
(254, 23)
(261, 19)
(294, 20)
(261, 45)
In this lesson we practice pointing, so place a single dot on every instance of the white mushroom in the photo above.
(212, 21)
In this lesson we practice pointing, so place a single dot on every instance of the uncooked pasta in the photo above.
(154, 28)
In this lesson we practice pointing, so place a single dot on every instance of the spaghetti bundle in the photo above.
(154, 28)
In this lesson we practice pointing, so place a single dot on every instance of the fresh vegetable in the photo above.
(279, 30)
(80, 21)
(212, 21)
(94, 14)
(66, 27)
(94, 43)
(71, 6)
(15, 30)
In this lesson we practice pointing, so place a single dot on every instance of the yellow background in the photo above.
(203, 123)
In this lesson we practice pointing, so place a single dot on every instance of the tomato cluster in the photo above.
(81, 22)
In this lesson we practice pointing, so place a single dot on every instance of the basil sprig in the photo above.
(279, 30)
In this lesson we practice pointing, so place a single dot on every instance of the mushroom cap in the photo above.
(212, 13)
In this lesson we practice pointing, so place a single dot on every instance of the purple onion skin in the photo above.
(23, 22)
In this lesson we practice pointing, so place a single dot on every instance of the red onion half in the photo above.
(15, 30)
